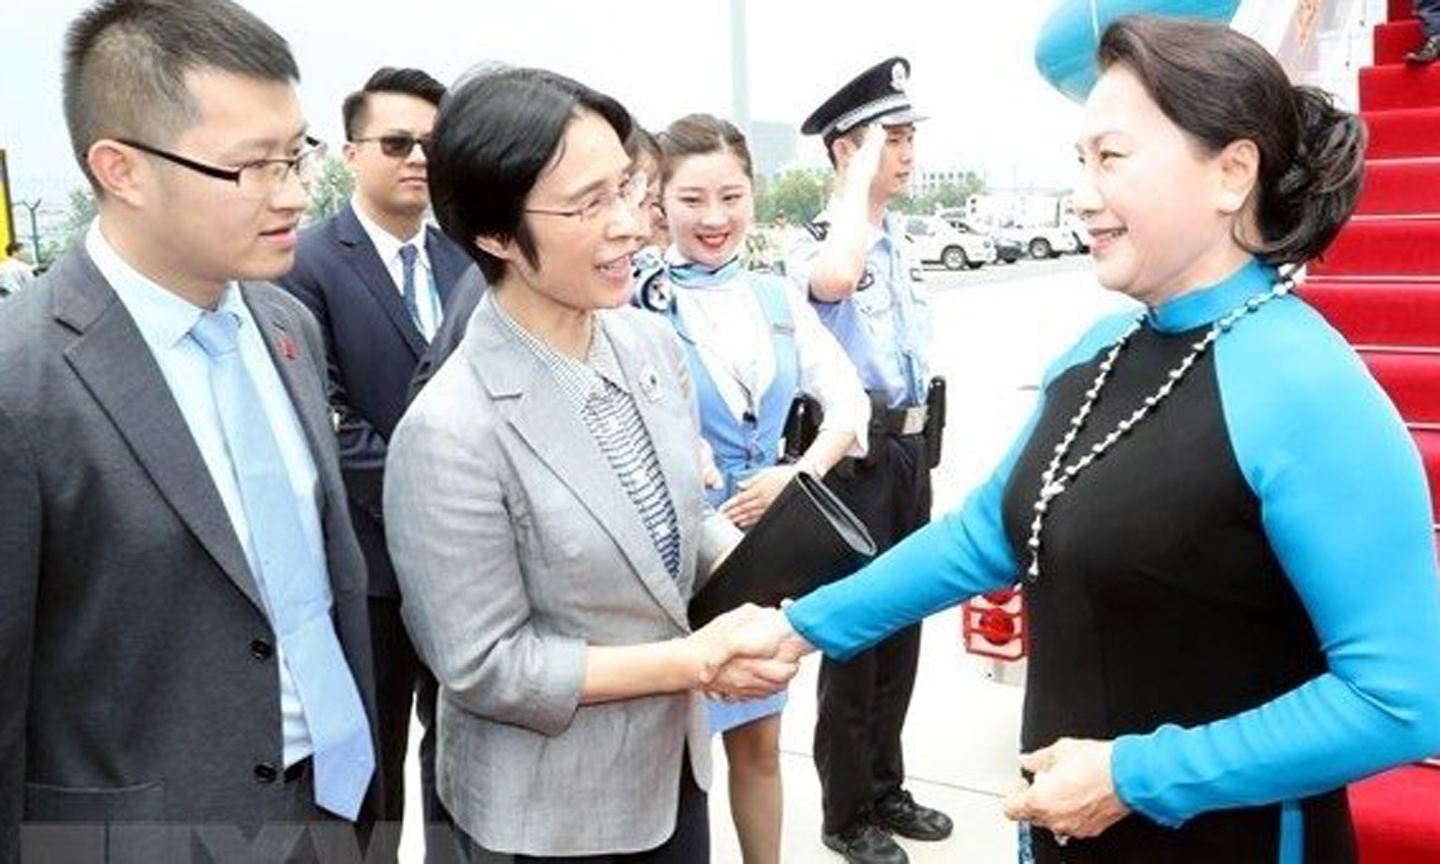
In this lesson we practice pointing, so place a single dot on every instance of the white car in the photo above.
(1082, 234)
(1045, 241)
(938, 242)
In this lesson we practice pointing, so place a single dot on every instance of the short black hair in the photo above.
(126, 62)
(388, 79)
(495, 134)
(1221, 86)
(854, 135)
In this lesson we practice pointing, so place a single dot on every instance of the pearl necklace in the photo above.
(1050, 485)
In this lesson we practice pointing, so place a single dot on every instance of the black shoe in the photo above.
(863, 843)
(899, 814)
(1426, 53)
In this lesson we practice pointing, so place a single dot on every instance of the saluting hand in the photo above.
(864, 161)
(1073, 792)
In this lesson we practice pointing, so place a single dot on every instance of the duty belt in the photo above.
(905, 421)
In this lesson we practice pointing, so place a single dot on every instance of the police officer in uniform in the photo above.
(864, 280)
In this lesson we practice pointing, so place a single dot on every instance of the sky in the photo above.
(972, 62)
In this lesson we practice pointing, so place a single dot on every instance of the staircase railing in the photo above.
(1319, 42)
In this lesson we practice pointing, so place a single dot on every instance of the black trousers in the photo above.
(690, 844)
(863, 701)
(1428, 11)
(401, 680)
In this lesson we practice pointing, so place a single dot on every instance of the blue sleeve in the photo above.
(963, 553)
(1345, 507)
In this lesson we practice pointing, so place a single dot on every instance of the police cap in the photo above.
(879, 94)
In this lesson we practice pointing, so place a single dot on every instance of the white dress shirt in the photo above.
(387, 246)
(164, 320)
(15, 275)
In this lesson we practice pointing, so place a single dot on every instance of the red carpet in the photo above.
(1413, 382)
(1379, 285)
(1402, 132)
(1384, 247)
(1394, 39)
(1374, 312)
(1401, 186)
(1398, 86)
(1396, 817)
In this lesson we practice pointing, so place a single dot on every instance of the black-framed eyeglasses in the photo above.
(631, 193)
(398, 145)
(258, 179)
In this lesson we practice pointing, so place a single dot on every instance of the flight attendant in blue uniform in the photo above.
(753, 344)
(1221, 524)
(861, 276)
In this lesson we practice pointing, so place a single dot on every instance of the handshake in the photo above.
(747, 653)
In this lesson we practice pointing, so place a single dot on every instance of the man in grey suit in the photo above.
(183, 642)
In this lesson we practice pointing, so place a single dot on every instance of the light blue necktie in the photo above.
(292, 575)
(408, 253)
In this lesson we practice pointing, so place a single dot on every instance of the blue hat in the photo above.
(1065, 49)
(879, 94)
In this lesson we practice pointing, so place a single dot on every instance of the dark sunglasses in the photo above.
(397, 146)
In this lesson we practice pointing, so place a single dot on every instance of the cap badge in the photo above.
(898, 78)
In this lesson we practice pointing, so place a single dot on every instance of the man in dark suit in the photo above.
(184, 652)
(378, 280)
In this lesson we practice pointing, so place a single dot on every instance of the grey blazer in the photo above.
(516, 547)
(137, 671)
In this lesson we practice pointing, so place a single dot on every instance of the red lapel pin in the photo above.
(288, 349)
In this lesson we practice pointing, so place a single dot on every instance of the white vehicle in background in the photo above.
(1007, 251)
(1082, 234)
(1044, 241)
(938, 242)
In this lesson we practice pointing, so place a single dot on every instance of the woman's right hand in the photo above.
(745, 678)
(731, 664)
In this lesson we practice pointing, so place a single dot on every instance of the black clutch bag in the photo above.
(806, 538)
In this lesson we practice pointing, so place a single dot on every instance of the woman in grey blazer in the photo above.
(545, 507)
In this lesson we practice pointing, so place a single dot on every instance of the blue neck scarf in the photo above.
(692, 274)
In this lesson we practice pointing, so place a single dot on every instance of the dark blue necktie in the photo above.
(408, 254)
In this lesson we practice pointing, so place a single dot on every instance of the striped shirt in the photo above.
(598, 390)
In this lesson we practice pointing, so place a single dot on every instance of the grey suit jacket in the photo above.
(516, 548)
(137, 672)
